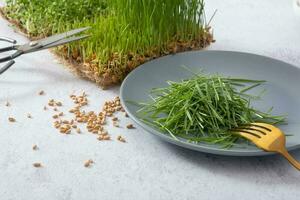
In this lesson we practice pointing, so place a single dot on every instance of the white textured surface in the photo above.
(145, 167)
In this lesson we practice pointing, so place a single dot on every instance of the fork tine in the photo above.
(250, 136)
(260, 129)
(257, 130)
(252, 132)
(265, 126)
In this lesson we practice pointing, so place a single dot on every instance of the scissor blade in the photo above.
(55, 38)
(36, 45)
(60, 42)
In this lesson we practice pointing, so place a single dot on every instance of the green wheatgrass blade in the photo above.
(204, 108)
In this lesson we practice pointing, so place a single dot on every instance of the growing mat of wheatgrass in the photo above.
(123, 35)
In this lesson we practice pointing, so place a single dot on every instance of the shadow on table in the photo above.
(242, 168)
(28, 80)
(23, 74)
(27, 84)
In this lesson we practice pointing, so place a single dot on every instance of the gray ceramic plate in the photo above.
(283, 83)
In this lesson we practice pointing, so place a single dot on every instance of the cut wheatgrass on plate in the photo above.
(205, 108)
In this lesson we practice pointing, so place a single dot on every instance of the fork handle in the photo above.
(290, 158)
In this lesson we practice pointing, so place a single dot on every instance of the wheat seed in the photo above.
(121, 139)
(106, 137)
(130, 126)
(37, 165)
(11, 119)
(88, 163)
(41, 92)
(35, 147)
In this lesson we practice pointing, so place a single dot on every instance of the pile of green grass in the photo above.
(205, 108)
(124, 33)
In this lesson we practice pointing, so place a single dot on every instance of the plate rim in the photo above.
(188, 145)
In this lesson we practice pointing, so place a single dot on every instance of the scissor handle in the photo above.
(7, 66)
(13, 47)
(7, 49)
(6, 39)
(11, 57)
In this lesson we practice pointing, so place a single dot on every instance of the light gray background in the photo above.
(145, 167)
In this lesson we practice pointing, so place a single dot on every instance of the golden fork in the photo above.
(266, 137)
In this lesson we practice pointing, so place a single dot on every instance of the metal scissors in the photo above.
(37, 45)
